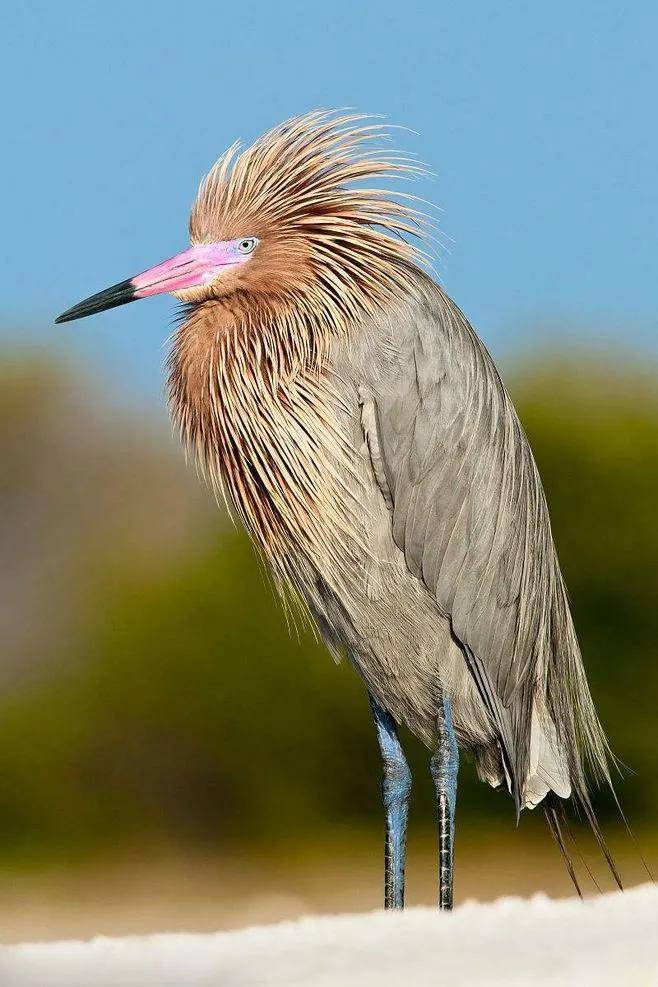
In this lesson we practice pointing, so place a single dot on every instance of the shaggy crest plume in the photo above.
(294, 187)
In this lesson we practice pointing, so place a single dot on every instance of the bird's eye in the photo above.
(247, 245)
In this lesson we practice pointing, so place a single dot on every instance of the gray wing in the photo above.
(467, 506)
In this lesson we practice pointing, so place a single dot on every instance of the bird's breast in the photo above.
(280, 450)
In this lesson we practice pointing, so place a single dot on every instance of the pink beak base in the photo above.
(196, 266)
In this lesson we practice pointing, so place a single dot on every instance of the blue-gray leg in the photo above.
(444, 766)
(396, 785)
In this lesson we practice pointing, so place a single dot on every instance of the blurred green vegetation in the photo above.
(159, 693)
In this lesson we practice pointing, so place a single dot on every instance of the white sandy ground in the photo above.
(612, 939)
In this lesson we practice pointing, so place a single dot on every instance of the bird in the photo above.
(340, 402)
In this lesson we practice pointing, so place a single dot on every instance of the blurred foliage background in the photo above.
(151, 690)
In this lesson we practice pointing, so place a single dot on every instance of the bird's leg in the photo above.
(444, 765)
(396, 785)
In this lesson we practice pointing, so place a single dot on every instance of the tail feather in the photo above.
(603, 846)
(554, 826)
(572, 838)
(579, 732)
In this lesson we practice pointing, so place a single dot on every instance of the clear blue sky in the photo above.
(539, 119)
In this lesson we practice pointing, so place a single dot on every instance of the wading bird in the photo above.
(352, 417)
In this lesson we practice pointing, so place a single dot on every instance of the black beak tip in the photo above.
(118, 294)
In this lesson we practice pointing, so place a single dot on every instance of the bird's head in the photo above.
(284, 222)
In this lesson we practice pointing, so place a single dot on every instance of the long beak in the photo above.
(198, 265)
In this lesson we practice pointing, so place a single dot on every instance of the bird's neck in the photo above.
(265, 431)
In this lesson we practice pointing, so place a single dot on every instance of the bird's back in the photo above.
(460, 587)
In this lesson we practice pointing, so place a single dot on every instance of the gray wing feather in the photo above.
(468, 510)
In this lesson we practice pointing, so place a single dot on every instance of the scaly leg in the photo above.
(396, 785)
(444, 765)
